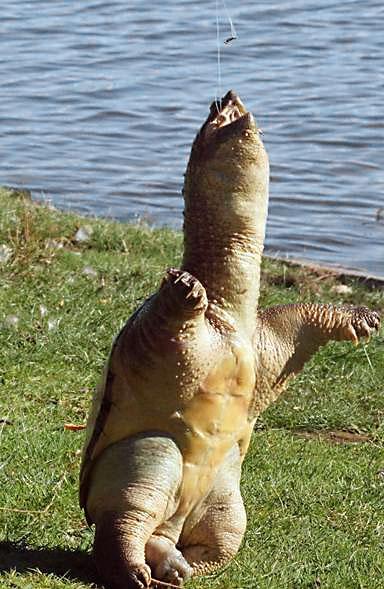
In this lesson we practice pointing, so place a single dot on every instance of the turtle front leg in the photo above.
(291, 334)
(315, 324)
(133, 488)
(166, 323)
(181, 295)
(287, 336)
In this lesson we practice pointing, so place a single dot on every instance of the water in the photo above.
(100, 101)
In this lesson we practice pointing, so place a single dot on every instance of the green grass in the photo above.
(315, 508)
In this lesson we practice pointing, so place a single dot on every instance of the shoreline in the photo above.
(339, 272)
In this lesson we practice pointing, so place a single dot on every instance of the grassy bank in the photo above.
(313, 480)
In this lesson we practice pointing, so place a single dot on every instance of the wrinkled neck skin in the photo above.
(225, 257)
(226, 198)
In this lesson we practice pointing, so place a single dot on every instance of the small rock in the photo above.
(342, 289)
(49, 204)
(53, 324)
(11, 321)
(5, 253)
(53, 244)
(90, 272)
(83, 233)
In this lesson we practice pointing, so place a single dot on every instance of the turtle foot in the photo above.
(139, 577)
(187, 289)
(167, 562)
(136, 577)
(363, 323)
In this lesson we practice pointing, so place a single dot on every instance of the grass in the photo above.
(315, 507)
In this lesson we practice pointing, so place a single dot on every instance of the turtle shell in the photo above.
(96, 437)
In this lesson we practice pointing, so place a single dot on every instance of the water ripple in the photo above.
(100, 103)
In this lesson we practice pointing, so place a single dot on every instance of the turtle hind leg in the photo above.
(210, 536)
(117, 568)
(132, 490)
(213, 534)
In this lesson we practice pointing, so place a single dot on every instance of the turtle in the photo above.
(191, 371)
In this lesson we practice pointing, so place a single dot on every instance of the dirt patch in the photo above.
(334, 436)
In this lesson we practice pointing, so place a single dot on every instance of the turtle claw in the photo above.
(133, 577)
(168, 564)
(363, 323)
(140, 577)
(187, 289)
(175, 573)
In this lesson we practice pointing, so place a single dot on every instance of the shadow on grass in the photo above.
(69, 564)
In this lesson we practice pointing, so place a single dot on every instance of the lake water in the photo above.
(100, 101)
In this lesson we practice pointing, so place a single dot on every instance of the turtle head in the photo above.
(226, 199)
(228, 121)
(228, 162)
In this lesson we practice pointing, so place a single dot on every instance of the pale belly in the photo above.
(215, 419)
(205, 424)
(223, 424)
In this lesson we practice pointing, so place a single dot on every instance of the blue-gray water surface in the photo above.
(100, 101)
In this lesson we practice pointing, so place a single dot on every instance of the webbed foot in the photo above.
(361, 323)
(167, 562)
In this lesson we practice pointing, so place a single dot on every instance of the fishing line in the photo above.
(218, 87)
(232, 37)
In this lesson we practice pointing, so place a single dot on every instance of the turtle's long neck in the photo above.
(223, 250)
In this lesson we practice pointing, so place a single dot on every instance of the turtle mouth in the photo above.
(226, 111)
(228, 114)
